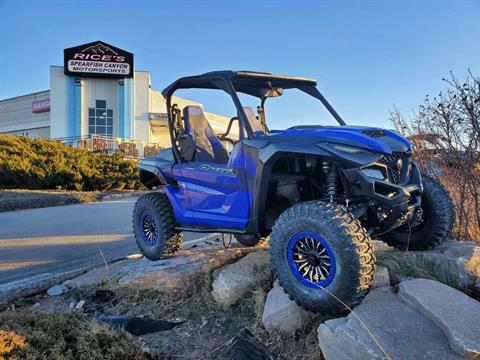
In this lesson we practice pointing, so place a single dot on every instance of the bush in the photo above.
(445, 133)
(40, 163)
(62, 336)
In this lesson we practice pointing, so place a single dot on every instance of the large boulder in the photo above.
(454, 312)
(171, 274)
(282, 314)
(454, 261)
(231, 282)
(385, 326)
(177, 274)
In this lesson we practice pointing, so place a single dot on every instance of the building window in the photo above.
(100, 119)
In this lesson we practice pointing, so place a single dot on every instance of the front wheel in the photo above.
(322, 256)
(433, 223)
(154, 226)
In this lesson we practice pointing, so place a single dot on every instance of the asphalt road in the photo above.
(64, 238)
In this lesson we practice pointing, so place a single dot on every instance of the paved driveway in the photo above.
(63, 238)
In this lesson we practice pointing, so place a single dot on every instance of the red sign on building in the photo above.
(41, 106)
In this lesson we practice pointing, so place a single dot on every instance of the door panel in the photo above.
(217, 194)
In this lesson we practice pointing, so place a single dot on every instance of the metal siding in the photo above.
(121, 111)
(70, 106)
(77, 120)
(128, 108)
(16, 113)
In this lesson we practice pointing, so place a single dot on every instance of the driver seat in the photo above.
(209, 148)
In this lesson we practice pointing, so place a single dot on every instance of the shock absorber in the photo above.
(331, 180)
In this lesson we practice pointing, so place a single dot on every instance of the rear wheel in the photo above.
(154, 226)
(250, 240)
(322, 256)
(432, 225)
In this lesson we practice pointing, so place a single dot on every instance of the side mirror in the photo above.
(272, 92)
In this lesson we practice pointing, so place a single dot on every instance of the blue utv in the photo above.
(319, 192)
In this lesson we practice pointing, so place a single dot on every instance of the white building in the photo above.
(96, 93)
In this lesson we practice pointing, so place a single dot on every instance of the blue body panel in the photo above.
(212, 195)
(347, 134)
(222, 196)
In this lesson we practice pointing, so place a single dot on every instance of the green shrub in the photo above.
(39, 163)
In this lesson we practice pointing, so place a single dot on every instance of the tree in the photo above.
(445, 133)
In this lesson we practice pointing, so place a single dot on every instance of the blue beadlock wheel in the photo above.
(149, 228)
(311, 259)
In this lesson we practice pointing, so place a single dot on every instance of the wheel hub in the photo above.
(311, 259)
(149, 228)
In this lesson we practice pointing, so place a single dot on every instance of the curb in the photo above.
(122, 195)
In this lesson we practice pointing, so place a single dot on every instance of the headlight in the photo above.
(375, 173)
(355, 154)
(347, 149)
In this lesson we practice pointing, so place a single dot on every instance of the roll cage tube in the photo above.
(247, 82)
(221, 84)
(314, 92)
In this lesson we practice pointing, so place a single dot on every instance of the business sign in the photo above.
(41, 106)
(98, 59)
(157, 116)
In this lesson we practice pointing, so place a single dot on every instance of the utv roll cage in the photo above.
(257, 84)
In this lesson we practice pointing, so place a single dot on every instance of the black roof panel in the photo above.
(248, 82)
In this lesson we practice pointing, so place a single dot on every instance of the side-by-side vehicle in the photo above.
(320, 193)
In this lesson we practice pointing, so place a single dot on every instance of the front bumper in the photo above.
(394, 204)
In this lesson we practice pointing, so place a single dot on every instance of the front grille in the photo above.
(393, 172)
(374, 133)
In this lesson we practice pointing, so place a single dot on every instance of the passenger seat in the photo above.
(209, 148)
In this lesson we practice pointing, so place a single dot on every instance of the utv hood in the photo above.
(369, 138)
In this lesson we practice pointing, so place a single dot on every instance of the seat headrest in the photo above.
(193, 114)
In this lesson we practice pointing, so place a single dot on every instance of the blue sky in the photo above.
(366, 55)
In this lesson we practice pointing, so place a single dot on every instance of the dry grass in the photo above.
(402, 265)
(210, 328)
(28, 199)
(31, 335)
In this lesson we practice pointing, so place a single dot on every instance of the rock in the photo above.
(72, 305)
(454, 312)
(380, 246)
(170, 274)
(178, 273)
(57, 290)
(282, 314)
(381, 277)
(395, 330)
(102, 274)
(79, 305)
(454, 261)
(231, 282)
(34, 285)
